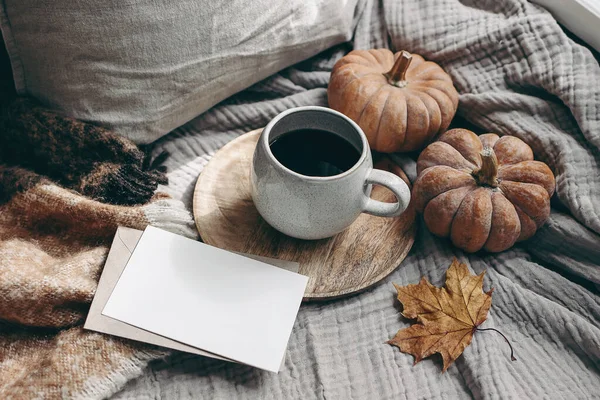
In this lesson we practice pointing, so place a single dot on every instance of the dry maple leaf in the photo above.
(446, 317)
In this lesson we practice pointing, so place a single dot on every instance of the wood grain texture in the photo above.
(353, 260)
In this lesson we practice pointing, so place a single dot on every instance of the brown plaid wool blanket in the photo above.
(65, 186)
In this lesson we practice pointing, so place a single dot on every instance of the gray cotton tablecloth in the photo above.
(517, 73)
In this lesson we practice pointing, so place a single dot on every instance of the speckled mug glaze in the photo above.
(309, 207)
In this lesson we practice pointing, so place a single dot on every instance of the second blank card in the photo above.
(209, 298)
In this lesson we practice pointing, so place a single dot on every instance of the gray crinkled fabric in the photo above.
(517, 73)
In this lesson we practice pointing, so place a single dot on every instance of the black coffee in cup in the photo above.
(314, 152)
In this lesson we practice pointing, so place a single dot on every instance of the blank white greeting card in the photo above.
(124, 241)
(208, 298)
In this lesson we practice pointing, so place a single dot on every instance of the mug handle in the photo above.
(393, 183)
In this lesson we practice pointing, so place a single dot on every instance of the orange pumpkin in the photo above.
(482, 191)
(399, 100)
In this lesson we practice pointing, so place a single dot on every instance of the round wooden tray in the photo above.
(353, 260)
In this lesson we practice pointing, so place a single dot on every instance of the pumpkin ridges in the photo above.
(488, 139)
(532, 199)
(338, 84)
(528, 225)
(432, 84)
(352, 58)
(346, 76)
(336, 102)
(448, 103)
(506, 227)
(447, 112)
(381, 56)
(466, 142)
(425, 68)
(351, 76)
(367, 120)
(437, 90)
(440, 211)
(390, 134)
(441, 153)
(354, 109)
(390, 59)
(417, 122)
(511, 150)
(368, 54)
(535, 172)
(472, 223)
(358, 70)
(436, 180)
(384, 140)
(430, 76)
(434, 114)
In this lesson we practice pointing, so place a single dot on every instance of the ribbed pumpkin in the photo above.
(399, 100)
(482, 191)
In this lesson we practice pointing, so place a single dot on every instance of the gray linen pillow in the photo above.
(145, 67)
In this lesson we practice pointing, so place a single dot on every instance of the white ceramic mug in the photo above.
(314, 207)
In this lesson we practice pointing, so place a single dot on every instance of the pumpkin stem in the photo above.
(488, 173)
(397, 75)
